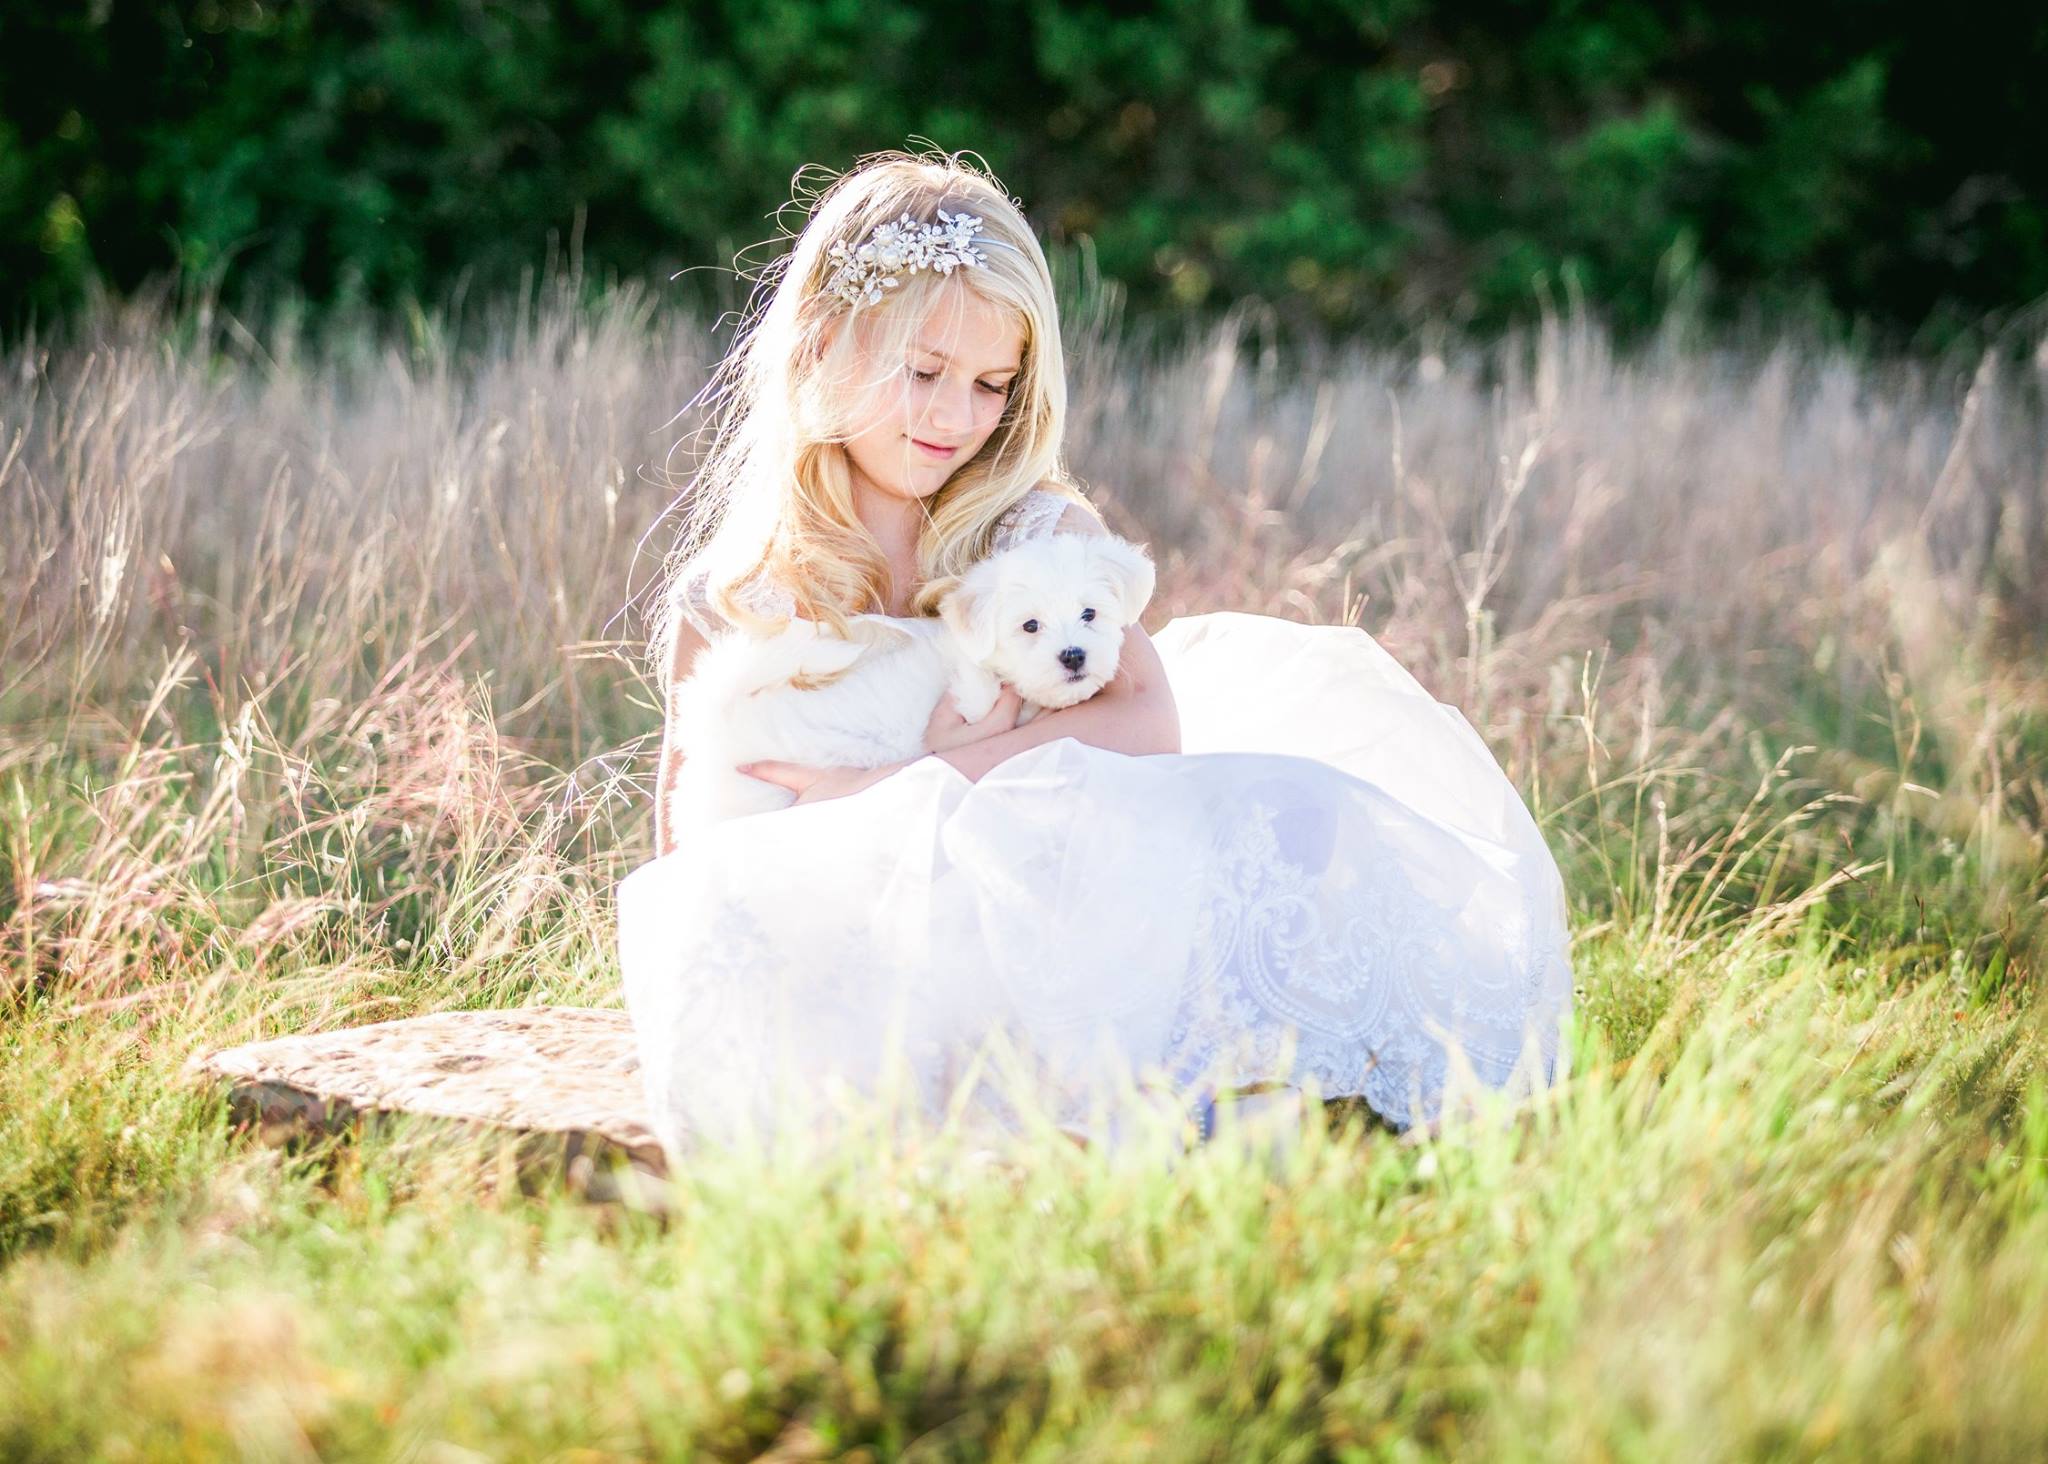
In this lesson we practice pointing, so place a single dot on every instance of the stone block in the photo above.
(566, 1076)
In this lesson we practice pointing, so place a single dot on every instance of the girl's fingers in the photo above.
(782, 774)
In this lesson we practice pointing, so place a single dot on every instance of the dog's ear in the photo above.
(823, 660)
(966, 605)
(1130, 574)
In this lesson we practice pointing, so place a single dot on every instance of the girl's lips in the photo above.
(930, 451)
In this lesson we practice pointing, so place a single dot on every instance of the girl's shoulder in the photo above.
(1033, 517)
(756, 592)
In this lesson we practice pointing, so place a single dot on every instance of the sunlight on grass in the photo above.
(322, 707)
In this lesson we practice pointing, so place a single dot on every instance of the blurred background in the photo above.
(1665, 386)
(1862, 167)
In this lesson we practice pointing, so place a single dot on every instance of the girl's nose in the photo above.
(952, 409)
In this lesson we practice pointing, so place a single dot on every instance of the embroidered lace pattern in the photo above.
(1031, 517)
(1351, 967)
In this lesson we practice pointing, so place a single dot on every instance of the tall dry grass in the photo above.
(331, 647)
(323, 702)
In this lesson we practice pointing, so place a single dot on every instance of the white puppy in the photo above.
(1047, 616)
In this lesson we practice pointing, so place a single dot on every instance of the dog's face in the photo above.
(1049, 616)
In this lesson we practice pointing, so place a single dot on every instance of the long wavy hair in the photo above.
(773, 496)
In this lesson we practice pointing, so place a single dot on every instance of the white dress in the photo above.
(1333, 884)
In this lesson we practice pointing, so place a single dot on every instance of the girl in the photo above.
(1261, 854)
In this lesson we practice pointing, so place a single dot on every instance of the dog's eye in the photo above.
(1031, 627)
(1088, 614)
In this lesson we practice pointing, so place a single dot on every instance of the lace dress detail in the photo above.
(755, 593)
(1031, 517)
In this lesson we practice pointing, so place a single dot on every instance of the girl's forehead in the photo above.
(962, 326)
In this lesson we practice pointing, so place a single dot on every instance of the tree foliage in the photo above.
(1354, 163)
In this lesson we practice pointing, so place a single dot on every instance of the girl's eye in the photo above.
(992, 390)
(1088, 614)
(1031, 627)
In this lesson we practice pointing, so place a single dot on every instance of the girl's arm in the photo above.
(688, 643)
(1133, 713)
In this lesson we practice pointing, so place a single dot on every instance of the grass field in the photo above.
(322, 705)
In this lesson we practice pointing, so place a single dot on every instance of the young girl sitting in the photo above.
(1262, 854)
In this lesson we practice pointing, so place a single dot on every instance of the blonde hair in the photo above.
(774, 495)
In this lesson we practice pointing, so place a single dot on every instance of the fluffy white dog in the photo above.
(1046, 616)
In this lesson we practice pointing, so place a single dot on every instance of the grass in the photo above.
(323, 706)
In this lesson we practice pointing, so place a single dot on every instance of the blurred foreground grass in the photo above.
(321, 706)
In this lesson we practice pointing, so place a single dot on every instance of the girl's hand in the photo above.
(814, 785)
(947, 728)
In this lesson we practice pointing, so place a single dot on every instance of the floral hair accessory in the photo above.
(904, 246)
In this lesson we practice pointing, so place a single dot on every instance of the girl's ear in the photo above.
(816, 343)
(964, 606)
(1130, 573)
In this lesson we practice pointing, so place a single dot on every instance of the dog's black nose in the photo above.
(1073, 657)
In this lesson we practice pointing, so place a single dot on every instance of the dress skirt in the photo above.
(1332, 885)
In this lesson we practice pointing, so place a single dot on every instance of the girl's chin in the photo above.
(922, 479)
(918, 485)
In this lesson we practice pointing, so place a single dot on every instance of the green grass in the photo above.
(1805, 1219)
(1790, 1199)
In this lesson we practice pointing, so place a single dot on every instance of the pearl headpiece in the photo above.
(902, 247)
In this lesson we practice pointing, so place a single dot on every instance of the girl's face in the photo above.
(935, 409)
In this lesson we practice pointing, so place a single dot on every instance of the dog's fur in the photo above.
(807, 696)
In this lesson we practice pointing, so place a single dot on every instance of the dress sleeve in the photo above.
(755, 593)
(1031, 517)
(696, 604)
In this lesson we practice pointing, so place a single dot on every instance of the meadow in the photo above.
(323, 704)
